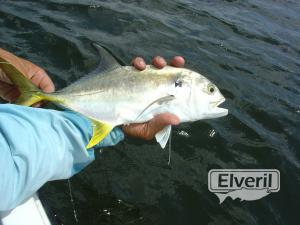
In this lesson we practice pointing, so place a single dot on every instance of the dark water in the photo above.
(250, 49)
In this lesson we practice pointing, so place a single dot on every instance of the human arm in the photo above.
(39, 145)
(34, 152)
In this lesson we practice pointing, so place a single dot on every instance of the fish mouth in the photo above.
(217, 110)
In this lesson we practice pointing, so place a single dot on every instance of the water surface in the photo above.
(250, 49)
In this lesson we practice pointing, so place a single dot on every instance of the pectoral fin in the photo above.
(162, 136)
(100, 131)
(159, 101)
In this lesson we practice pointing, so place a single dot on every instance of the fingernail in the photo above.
(140, 62)
(160, 59)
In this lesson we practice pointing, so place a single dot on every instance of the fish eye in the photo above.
(211, 89)
(178, 83)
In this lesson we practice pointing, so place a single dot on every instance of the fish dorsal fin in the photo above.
(100, 131)
(107, 61)
(162, 136)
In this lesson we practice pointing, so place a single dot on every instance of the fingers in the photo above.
(160, 121)
(159, 62)
(148, 130)
(177, 61)
(37, 75)
(42, 81)
(139, 63)
(46, 83)
(165, 119)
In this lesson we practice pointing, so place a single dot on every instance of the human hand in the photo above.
(36, 74)
(148, 129)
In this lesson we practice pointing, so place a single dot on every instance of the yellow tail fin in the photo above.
(30, 94)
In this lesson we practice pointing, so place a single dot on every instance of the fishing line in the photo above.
(170, 147)
(72, 201)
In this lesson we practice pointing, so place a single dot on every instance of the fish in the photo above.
(114, 95)
(244, 194)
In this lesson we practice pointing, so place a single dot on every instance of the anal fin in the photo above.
(100, 131)
(162, 136)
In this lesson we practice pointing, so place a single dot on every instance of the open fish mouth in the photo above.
(217, 103)
(217, 110)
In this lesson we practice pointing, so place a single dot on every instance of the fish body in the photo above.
(115, 95)
(119, 96)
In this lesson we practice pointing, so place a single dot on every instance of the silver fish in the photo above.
(113, 95)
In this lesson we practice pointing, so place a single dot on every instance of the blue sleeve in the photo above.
(39, 145)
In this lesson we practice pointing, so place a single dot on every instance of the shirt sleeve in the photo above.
(39, 145)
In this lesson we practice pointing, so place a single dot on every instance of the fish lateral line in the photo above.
(85, 93)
